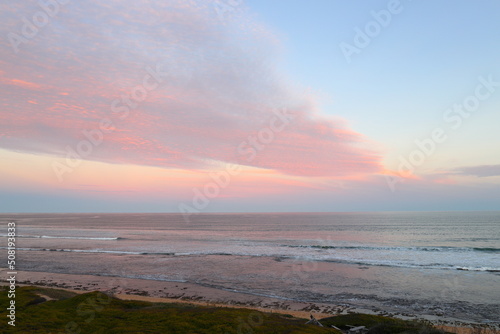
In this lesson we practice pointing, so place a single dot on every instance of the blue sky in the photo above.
(427, 57)
(398, 87)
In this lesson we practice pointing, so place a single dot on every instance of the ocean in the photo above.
(411, 263)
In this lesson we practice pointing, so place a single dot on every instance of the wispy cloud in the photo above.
(479, 171)
(219, 86)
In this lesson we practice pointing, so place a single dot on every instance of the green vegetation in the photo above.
(380, 325)
(98, 313)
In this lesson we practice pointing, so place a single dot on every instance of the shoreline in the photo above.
(195, 294)
(297, 314)
(174, 292)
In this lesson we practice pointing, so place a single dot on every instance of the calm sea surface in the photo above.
(417, 263)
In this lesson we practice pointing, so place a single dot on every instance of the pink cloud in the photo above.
(179, 86)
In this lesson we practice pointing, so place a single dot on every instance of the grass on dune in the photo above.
(97, 313)
(379, 324)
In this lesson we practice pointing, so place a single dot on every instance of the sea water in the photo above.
(423, 263)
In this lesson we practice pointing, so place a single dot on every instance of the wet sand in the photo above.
(182, 292)
(175, 292)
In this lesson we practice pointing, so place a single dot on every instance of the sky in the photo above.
(249, 106)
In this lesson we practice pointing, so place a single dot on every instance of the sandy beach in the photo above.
(182, 292)
(178, 292)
